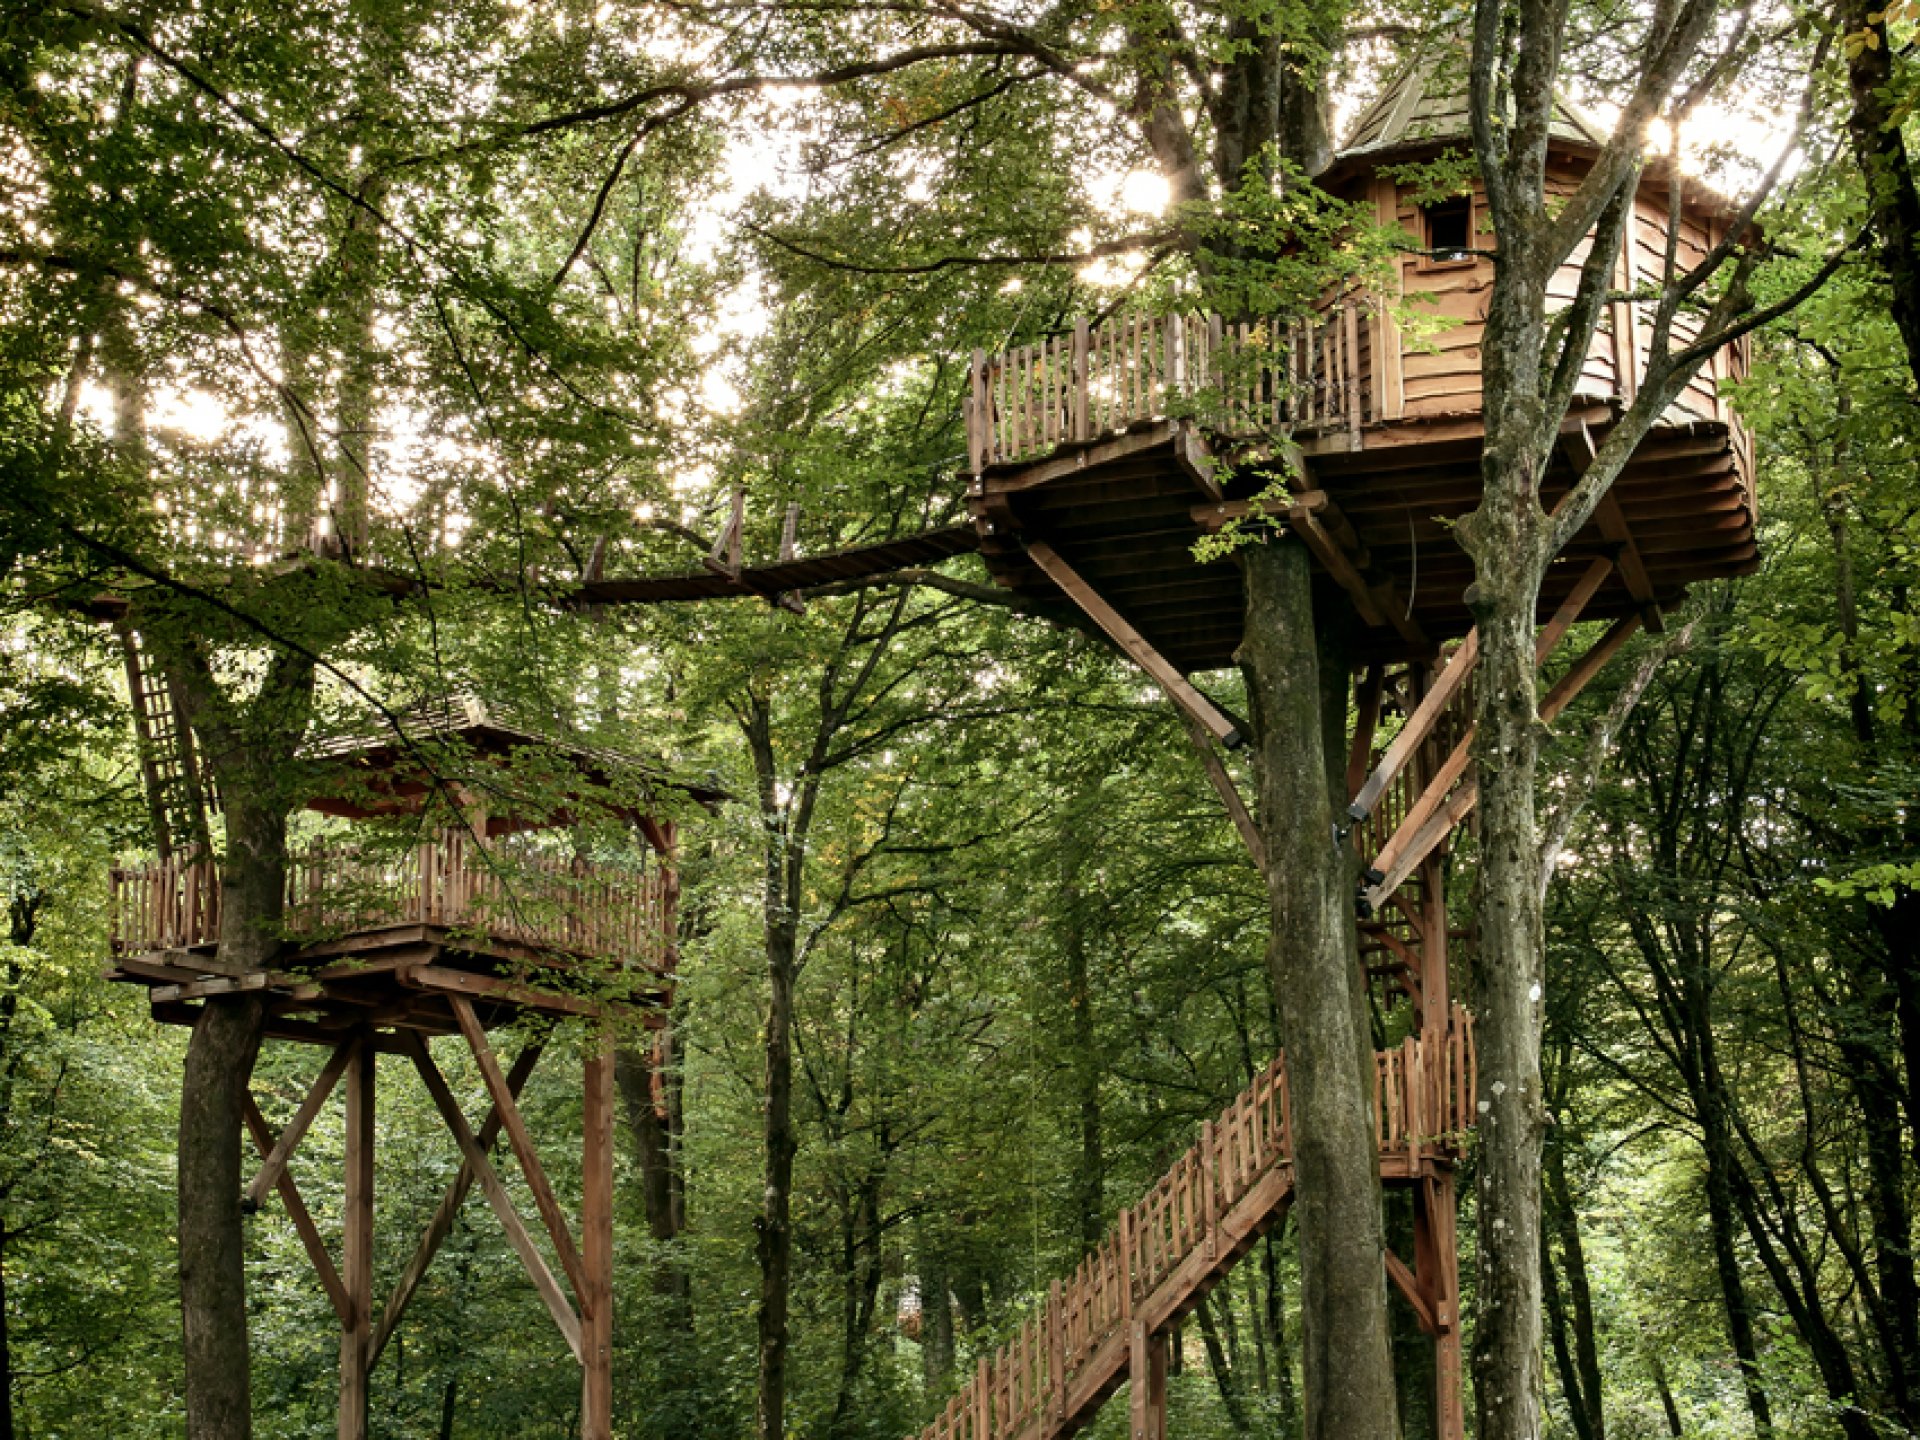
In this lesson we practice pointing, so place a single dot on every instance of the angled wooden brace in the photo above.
(296, 1128)
(1202, 710)
(1576, 443)
(1455, 765)
(724, 558)
(549, 1289)
(442, 1223)
(521, 1141)
(1420, 842)
(296, 1208)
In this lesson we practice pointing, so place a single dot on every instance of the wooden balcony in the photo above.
(1247, 379)
(395, 932)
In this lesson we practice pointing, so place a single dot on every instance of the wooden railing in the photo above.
(1242, 379)
(544, 902)
(1423, 1102)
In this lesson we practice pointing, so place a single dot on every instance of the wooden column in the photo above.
(357, 1245)
(1437, 1258)
(1147, 1384)
(596, 1241)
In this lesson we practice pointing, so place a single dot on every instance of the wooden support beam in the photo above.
(1212, 517)
(596, 1239)
(1412, 843)
(1368, 695)
(549, 1289)
(521, 1142)
(1426, 715)
(356, 1250)
(441, 1225)
(489, 987)
(1228, 791)
(1336, 563)
(1195, 458)
(302, 1218)
(725, 557)
(1408, 1284)
(1455, 765)
(1576, 444)
(1147, 1383)
(296, 1128)
(1178, 689)
(1587, 666)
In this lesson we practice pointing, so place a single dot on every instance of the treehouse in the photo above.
(461, 924)
(1100, 456)
(456, 894)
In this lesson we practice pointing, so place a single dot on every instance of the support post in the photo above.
(357, 1244)
(1437, 1254)
(1147, 1384)
(596, 1241)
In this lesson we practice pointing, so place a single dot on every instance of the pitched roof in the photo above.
(493, 728)
(1426, 105)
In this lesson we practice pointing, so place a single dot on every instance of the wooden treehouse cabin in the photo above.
(466, 925)
(1099, 457)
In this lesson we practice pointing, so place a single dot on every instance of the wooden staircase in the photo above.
(1110, 1319)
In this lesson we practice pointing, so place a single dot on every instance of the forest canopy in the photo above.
(604, 425)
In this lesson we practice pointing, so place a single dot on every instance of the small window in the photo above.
(1449, 229)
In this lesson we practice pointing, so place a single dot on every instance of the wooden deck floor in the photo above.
(1122, 511)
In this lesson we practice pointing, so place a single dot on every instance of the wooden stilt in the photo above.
(1437, 1253)
(357, 1247)
(1147, 1384)
(596, 1242)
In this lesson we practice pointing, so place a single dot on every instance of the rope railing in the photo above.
(1247, 378)
(1423, 1100)
(544, 902)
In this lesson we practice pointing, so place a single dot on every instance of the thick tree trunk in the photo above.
(249, 751)
(1505, 536)
(774, 1225)
(1892, 194)
(1312, 958)
(213, 1295)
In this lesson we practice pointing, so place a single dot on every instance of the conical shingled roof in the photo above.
(1426, 105)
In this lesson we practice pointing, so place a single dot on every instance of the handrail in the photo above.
(1423, 1100)
(1245, 378)
(551, 903)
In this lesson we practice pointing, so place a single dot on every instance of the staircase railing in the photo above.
(1423, 1099)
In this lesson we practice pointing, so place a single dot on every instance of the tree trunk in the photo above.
(213, 1295)
(1506, 537)
(1312, 958)
(1089, 1180)
(1575, 1341)
(1892, 194)
(250, 750)
(774, 1225)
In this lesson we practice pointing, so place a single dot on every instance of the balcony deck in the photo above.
(388, 939)
(1117, 445)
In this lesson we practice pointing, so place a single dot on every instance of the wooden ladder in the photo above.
(179, 795)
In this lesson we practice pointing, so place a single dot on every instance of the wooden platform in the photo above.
(1125, 513)
(401, 977)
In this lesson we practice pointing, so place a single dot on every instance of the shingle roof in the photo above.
(466, 717)
(1426, 105)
